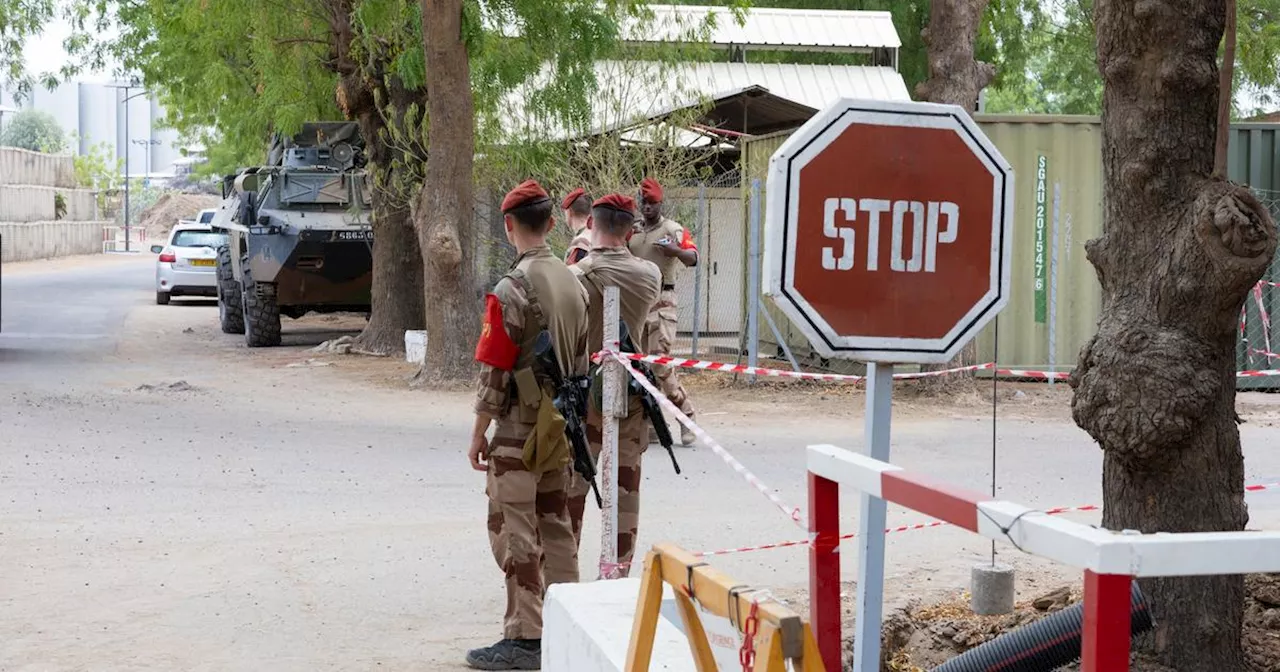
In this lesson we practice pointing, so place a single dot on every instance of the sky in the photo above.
(45, 53)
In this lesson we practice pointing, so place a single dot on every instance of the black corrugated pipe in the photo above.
(1043, 646)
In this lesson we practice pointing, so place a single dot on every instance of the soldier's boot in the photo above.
(686, 435)
(508, 654)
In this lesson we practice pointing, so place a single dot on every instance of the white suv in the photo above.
(188, 265)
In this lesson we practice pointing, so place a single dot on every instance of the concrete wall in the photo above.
(37, 204)
(29, 185)
(19, 166)
(23, 241)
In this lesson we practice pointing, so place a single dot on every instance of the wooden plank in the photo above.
(645, 625)
(710, 588)
(697, 636)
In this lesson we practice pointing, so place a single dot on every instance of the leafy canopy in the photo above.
(35, 130)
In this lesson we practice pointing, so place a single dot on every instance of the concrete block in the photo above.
(586, 627)
(415, 346)
(992, 589)
(23, 241)
(19, 166)
(26, 203)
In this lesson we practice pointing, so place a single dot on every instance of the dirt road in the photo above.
(170, 500)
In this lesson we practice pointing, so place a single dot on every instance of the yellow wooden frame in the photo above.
(782, 633)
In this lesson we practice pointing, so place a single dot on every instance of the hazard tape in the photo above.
(792, 512)
(723, 367)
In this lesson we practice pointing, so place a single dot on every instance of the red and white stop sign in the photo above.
(886, 236)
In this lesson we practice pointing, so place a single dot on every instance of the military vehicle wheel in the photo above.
(261, 316)
(230, 305)
(162, 298)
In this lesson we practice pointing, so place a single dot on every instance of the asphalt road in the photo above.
(172, 501)
(58, 311)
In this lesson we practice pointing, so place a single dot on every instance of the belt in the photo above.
(668, 288)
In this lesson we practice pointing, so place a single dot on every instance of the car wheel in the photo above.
(261, 315)
(230, 305)
(162, 298)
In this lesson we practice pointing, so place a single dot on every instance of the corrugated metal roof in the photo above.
(771, 28)
(628, 92)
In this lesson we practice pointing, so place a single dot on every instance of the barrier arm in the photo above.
(782, 633)
(1110, 560)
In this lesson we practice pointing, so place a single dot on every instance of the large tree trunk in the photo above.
(444, 210)
(397, 263)
(1181, 249)
(956, 77)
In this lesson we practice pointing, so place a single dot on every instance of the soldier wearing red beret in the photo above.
(577, 211)
(527, 479)
(669, 245)
(610, 263)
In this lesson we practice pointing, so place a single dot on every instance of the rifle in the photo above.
(651, 408)
(571, 400)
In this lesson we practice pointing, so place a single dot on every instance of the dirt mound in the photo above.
(161, 217)
(919, 638)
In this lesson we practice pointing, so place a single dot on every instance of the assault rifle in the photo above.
(571, 400)
(651, 408)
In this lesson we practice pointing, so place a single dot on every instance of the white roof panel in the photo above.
(771, 28)
(631, 91)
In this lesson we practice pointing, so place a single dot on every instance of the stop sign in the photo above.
(886, 236)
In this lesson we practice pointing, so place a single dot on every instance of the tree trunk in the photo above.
(444, 209)
(955, 78)
(397, 265)
(1155, 387)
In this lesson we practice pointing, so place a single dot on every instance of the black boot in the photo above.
(508, 654)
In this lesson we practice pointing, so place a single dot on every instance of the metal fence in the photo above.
(1259, 339)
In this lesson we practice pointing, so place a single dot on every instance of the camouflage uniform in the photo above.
(661, 323)
(579, 247)
(638, 283)
(530, 531)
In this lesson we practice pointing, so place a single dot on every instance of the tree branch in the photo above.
(1224, 93)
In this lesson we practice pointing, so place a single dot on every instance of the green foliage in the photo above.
(229, 72)
(99, 169)
(19, 21)
(141, 197)
(59, 205)
(34, 130)
(1062, 73)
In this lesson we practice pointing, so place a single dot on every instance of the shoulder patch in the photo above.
(495, 346)
(686, 241)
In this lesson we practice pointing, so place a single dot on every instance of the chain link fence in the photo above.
(1258, 347)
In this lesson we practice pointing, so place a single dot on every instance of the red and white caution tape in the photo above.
(792, 512)
(723, 367)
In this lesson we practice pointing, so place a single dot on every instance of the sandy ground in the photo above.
(170, 500)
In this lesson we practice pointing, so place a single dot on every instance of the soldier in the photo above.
(638, 282)
(668, 245)
(577, 214)
(527, 478)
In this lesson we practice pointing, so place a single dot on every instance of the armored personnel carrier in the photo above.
(299, 234)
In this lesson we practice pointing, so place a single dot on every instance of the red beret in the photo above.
(616, 202)
(573, 196)
(528, 193)
(651, 190)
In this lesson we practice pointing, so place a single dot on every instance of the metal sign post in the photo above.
(870, 592)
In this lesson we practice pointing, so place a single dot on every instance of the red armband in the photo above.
(686, 241)
(495, 347)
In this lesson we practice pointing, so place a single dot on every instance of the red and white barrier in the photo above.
(1110, 559)
(724, 367)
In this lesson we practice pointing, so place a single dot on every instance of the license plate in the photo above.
(363, 235)
(204, 262)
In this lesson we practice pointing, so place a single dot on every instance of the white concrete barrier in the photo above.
(26, 203)
(19, 166)
(586, 627)
(23, 241)
(415, 346)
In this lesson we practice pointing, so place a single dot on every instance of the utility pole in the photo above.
(131, 84)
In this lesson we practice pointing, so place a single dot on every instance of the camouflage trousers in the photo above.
(659, 334)
(632, 442)
(529, 529)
